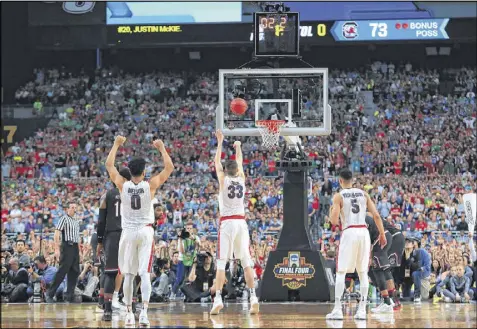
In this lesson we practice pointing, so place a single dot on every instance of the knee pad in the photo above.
(221, 263)
(388, 274)
(109, 282)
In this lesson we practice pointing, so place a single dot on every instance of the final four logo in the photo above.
(294, 271)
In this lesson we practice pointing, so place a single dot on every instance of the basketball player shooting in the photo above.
(233, 238)
(136, 245)
(355, 243)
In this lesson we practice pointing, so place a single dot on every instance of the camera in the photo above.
(158, 266)
(201, 257)
(28, 266)
(201, 260)
(184, 234)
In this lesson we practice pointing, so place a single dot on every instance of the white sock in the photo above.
(115, 296)
(218, 294)
(128, 290)
(252, 292)
(339, 288)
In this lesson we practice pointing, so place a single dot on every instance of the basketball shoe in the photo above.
(254, 305)
(361, 311)
(217, 306)
(336, 314)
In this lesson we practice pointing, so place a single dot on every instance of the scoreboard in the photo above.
(325, 33)
(312, 33)
(387, 30)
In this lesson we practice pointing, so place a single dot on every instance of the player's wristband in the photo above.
(100, 239)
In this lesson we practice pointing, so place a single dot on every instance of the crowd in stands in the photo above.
(417, 157)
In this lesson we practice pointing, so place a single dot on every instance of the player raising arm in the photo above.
(137, 218)
(233, 238)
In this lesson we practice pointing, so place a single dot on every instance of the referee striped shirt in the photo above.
(70, 228)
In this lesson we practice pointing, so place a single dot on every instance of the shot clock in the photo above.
(276, 34)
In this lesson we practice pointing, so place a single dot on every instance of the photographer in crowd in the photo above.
(16, 281)
(236, 280)
(87, 280)
(163, 279)
(188, 244)
(201, 278)
(42, 273)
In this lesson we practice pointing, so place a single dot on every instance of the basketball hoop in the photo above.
(270, 131)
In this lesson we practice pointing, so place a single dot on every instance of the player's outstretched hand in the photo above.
(382, 240)
(119, 140)
(237, 144)
(159, 145)
(219, 135)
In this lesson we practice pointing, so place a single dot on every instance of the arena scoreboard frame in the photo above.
(277, 34)
(311, 33)
(308, 33)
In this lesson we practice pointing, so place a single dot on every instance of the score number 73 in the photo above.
(380, 28)
(11, 132)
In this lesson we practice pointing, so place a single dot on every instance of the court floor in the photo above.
(276, 315)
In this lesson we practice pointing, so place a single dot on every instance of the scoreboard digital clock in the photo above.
(276, 34)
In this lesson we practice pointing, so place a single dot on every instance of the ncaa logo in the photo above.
(294, 260)
(350, 30)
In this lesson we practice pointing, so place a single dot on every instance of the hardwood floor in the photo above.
(276, 315)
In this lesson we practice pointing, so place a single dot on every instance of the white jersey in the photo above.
(231, 197)
(136, 205)
(354, 207)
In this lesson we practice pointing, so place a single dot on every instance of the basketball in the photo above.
(238, 106)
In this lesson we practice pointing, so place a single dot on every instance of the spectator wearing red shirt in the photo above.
(395, 210)
(421, 224)
(397, 167)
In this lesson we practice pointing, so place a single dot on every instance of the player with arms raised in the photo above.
(355, 243)
(233, 238)
(136, 245)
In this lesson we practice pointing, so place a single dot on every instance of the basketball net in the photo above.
(270, 131)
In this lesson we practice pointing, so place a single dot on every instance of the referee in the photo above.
(69, 228)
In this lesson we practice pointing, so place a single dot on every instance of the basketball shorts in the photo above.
(354, 250)
(136, 249)
(111, 250)
(397, 249)
(234, 241)
(380, 256)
